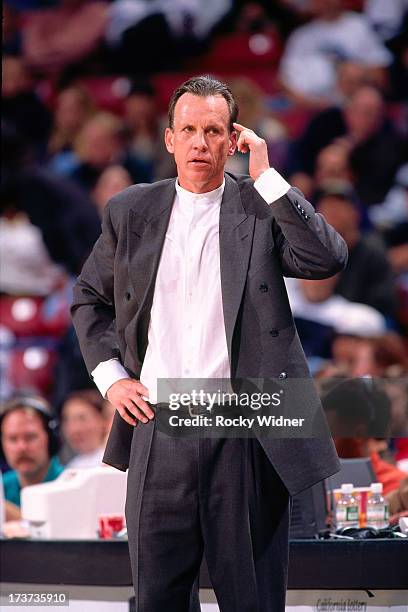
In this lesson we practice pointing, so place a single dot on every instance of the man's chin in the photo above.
(27, 467)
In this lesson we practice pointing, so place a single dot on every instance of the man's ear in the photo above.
(232, 143)
(168, 139)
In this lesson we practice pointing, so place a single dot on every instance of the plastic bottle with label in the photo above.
(347, 510)
(377, 507)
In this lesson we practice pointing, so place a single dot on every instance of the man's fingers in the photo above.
(133, 409)
(240, 128)
(126, 417)
(140, 403)
(141, 389)
(241, 144)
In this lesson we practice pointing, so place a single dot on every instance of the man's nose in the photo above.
(200, 141)
(20, 445)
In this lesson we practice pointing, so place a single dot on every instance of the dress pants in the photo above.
(217, 496)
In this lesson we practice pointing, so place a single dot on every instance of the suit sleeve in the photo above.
(308, 247)
(92, 309)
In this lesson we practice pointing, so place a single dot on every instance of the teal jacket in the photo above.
(11, 483)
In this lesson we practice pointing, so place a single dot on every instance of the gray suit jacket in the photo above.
(259, 244)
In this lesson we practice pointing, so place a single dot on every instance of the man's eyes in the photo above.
(211, 130)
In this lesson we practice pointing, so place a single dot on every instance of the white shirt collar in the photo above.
(207, 198)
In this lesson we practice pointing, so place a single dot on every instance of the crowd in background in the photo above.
(84, 93)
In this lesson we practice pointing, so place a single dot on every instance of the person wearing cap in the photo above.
(29, 445)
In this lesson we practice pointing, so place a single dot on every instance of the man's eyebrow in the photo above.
(216, 126)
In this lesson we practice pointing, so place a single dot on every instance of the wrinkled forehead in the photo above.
(192, 108)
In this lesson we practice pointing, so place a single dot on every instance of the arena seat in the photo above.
(29, 316)
(240, 51)
(32, 368)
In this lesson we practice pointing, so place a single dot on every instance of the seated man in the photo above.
(29, 445)
(358, 412)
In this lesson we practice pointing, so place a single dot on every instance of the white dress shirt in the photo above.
(186, 336)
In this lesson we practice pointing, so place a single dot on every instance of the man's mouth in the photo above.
(198, 161)
(24, 460)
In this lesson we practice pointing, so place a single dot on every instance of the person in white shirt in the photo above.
(84, 427)
(308, 67)
(186, 282)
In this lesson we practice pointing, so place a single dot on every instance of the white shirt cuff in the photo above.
(108, 372)
(271, 185)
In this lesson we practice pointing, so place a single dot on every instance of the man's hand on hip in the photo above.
(258, 151)
(127, 393)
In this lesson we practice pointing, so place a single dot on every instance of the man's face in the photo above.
(83, 427)
(342, 215)
(25, 442)
(365, 113)
(200, 141)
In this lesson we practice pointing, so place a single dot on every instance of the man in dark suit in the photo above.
(186, 281)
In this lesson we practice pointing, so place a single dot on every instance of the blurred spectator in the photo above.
(368, 276)
(151, 36)
(253, 114)
(332, 170)
(11, 43)
(396, 388)
(386, 17)
(67, 219)
(112, 180)
(398, 502)
(84, 426)
(394, 209)
(73, 107)
(26, 267)
(146, 128)
(141, 119)
(332, 167)
(361, 126)
(22, 107)
(391, 218)
(385, 356)
(399, 70)
(56, 37)
(99, 144)
(333, 35)
(29, 445)
(315, 300)
(358, 413)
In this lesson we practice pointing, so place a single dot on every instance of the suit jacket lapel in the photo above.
(236, 233)
(147, 228)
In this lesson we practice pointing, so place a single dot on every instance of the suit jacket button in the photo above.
(282, 376)
(274, 332)
(263, 287)
(127, 295)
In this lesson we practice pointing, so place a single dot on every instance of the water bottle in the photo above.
(347, 510)
(377, 507)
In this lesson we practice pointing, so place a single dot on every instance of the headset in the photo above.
(43, 409)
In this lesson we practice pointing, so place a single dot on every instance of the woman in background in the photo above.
(85, 425)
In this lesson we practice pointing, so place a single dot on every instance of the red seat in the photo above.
(240, 51)
(22, 315)
(32, 369)
(28, 316)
